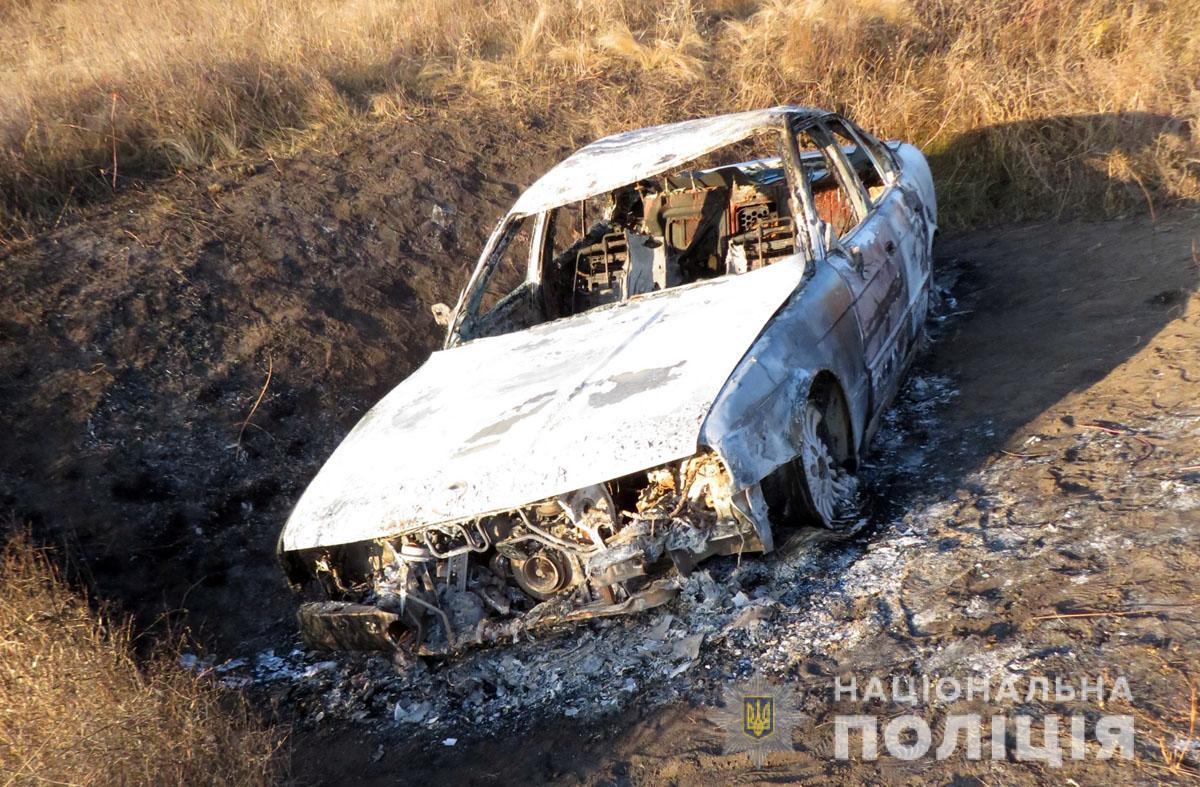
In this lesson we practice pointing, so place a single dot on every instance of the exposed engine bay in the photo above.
(605, 550)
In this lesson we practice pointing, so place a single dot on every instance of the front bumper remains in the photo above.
(612, 549)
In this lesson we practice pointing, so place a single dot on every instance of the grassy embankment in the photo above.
(1028, 108)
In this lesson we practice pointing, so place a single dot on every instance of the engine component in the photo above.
(572, 557)
(545, 573)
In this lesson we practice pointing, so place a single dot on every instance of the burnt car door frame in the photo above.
(869, 259)
(905, 219)
(466, 320)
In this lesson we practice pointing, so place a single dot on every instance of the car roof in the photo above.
(624, 158)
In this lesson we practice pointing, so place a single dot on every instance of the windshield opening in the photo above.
(723, 214)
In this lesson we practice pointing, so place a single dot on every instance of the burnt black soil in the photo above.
(134, 344)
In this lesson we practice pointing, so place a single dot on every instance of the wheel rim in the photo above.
(830, 488)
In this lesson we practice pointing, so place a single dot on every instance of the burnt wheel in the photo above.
(828, 488)
(818, 485)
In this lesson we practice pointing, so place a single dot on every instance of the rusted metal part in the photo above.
(337, 625)
(730, 335)
(334, 625)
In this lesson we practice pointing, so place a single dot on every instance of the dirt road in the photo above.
(1037, 488)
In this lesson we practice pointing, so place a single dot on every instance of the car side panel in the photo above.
(874, 274)
(919, 219)
(910, 220)
(903, 257)
(753, 424)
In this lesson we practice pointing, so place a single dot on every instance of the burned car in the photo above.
(678, 341)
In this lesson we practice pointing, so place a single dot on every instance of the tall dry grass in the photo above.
(1027, 107)
(75, 708)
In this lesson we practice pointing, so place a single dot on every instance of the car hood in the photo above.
(508, 420)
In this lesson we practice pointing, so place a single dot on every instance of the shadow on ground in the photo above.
(1067, 166)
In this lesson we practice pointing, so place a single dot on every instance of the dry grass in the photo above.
(1172, 726)
(1027, 107)
(75, 708)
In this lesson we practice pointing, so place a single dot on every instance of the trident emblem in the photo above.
(759, 719)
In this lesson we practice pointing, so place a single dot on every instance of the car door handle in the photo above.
(856, 259)
(889, 247)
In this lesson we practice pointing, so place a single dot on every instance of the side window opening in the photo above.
(860, 160)
(838, 196)
(880, 154)
(508, 272)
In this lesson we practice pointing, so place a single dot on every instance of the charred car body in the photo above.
(660, 357)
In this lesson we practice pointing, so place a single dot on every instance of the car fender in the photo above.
(752, 424)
